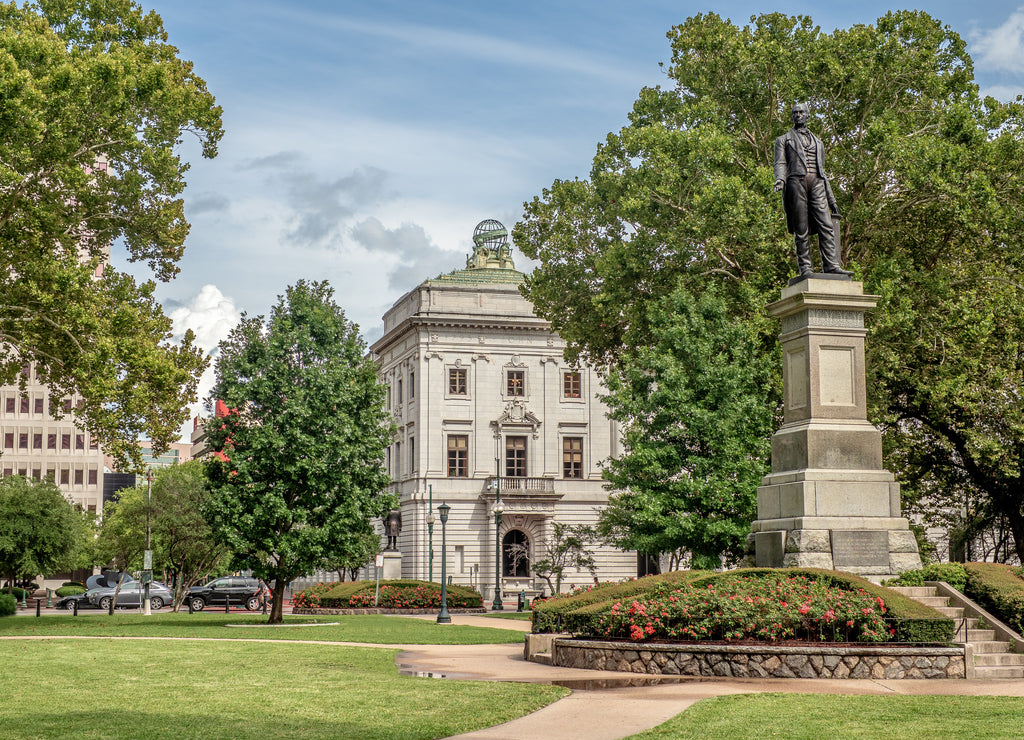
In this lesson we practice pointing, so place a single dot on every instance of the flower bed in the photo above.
(769, 605)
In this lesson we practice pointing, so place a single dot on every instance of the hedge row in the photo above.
(397, 594)
(999, 589)
(579, 614)
(8, 606)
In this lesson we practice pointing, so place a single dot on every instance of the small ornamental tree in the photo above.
(299, 473)
(566, 546)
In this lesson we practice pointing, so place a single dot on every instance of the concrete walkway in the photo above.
(607, 705)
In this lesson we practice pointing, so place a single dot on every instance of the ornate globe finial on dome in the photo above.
(490, 247)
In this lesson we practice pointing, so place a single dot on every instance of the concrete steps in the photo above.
(991, 656)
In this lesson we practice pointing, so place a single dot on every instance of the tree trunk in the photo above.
(277, 608)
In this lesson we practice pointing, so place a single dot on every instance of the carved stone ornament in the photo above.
(517, 413)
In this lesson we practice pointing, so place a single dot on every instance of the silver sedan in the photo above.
(131, 596)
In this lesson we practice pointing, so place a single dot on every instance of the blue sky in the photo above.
(364, 140)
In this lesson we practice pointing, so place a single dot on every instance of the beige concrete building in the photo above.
(483, 396)
(38, 445)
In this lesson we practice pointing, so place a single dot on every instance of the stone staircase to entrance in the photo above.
(989, 642)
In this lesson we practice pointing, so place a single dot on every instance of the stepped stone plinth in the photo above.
(828, 502)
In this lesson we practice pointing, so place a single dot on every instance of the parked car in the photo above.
(240, 590)
(68, 602)
(131, 595)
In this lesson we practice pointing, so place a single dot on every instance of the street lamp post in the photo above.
(148, 557)
(498, 509)
(430, 534)
(444, 617)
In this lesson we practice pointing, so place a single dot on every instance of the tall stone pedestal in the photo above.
(392, 570)
(828, 503)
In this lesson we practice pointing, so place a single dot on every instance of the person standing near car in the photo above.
(264, 592)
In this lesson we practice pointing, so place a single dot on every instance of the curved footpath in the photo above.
(597, 713)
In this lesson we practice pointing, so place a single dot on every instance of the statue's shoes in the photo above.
(838, 271)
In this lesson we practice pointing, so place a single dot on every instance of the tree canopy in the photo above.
(926, 172)
(696, 411)
(42, 532)
(300, 474)
(96, 104)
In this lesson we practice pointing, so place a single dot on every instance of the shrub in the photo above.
(310, 597)
(8, 606)
(757, 604)
(999, 589)
(16, 591)
(951, 573)
(74, 583)
(399, 594)
(70, 590)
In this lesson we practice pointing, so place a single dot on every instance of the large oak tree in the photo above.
(95, 106)
(927, 174)
(300, 472)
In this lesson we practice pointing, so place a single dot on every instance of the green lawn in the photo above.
(817, 716)
(372, 628)
(525, 616)
(177, 689)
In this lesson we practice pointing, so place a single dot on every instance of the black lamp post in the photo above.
(498, 509)
(444, 617)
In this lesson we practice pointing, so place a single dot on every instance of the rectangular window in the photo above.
(65, 476)
(412, 454)
(79, 441)
(412, 385)
(65, 441)
(398, 394)
(10, 404)
(37, 406)
(67, 405)
(37, 441)
(23, 441)
(94, 444)
(515, 383)
(9, 440)
(8, 471)
(460, 558)
(93, 476)
(79, 477)
(24, 404)
(458, 456)
(388, 397)
(51, 441)
(37, 473)
(398, 460)
(457, 381)
(515, 457)
(572, 457)
(571, 385)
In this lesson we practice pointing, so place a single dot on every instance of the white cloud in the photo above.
(1001, 48)
(211, 316)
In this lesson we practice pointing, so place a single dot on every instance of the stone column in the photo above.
(828, 502)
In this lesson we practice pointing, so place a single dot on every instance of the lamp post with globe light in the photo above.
(444, 617)
(430, 535)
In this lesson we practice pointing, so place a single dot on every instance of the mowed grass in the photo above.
(372, 628)
(178, 689)
(817, 716)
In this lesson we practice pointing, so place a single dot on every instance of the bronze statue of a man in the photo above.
(806, 194)
(393, 528)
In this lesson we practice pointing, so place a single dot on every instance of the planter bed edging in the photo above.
(382, 610)
(762, 661)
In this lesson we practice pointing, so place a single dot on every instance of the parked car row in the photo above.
(239, 590)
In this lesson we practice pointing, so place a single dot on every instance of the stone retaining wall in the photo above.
(381, 610)
(762, 661)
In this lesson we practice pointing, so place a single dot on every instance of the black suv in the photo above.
(241, 591)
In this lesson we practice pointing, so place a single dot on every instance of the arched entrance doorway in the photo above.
(515, 554)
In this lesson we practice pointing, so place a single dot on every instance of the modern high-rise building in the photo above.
(489, 410)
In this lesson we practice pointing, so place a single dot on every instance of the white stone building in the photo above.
(479, 388)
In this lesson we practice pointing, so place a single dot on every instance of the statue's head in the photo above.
(800, 114)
